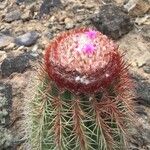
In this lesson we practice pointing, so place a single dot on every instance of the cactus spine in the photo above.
(84, 97)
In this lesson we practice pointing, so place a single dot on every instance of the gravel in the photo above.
(27, 39)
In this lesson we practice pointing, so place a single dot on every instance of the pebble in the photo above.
(137, 7)
(3, 4)
(35, 48)
(5, 41)
(12, 16)
(53, 19)
(112, 21)
(27, 39)
(69, 23)
(146, 32)
(146, 68)
(27, 15)
(143, 20)
(47, 5)
(119, 2)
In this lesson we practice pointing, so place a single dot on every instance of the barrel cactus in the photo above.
(84, 96)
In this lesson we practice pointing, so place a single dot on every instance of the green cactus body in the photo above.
(84, 97)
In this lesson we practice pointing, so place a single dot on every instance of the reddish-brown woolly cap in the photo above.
(82, 60)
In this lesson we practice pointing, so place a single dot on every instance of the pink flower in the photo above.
(91, 34)
(89, 48)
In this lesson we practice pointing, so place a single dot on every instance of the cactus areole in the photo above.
(83, 61)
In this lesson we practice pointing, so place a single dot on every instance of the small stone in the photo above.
(35, 48)
(137, 7)
(119, 2)
(146, 32)
(5, 41)
(112, 21)
(69, 23)
(12, 16)
(3, 4)
(27, 39)
(47, 5)
(53, 19)
(143, 20)
(146, 68)
(27, 15)
(19, 1)
(15, 64)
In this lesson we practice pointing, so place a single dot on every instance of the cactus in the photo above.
(84, 97)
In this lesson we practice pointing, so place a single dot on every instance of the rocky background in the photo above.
(26, 27)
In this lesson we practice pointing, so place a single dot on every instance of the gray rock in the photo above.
(18, 64)
(27, 39)
(112, 21)
(146, 68)
(47, 5)
(12, 16)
